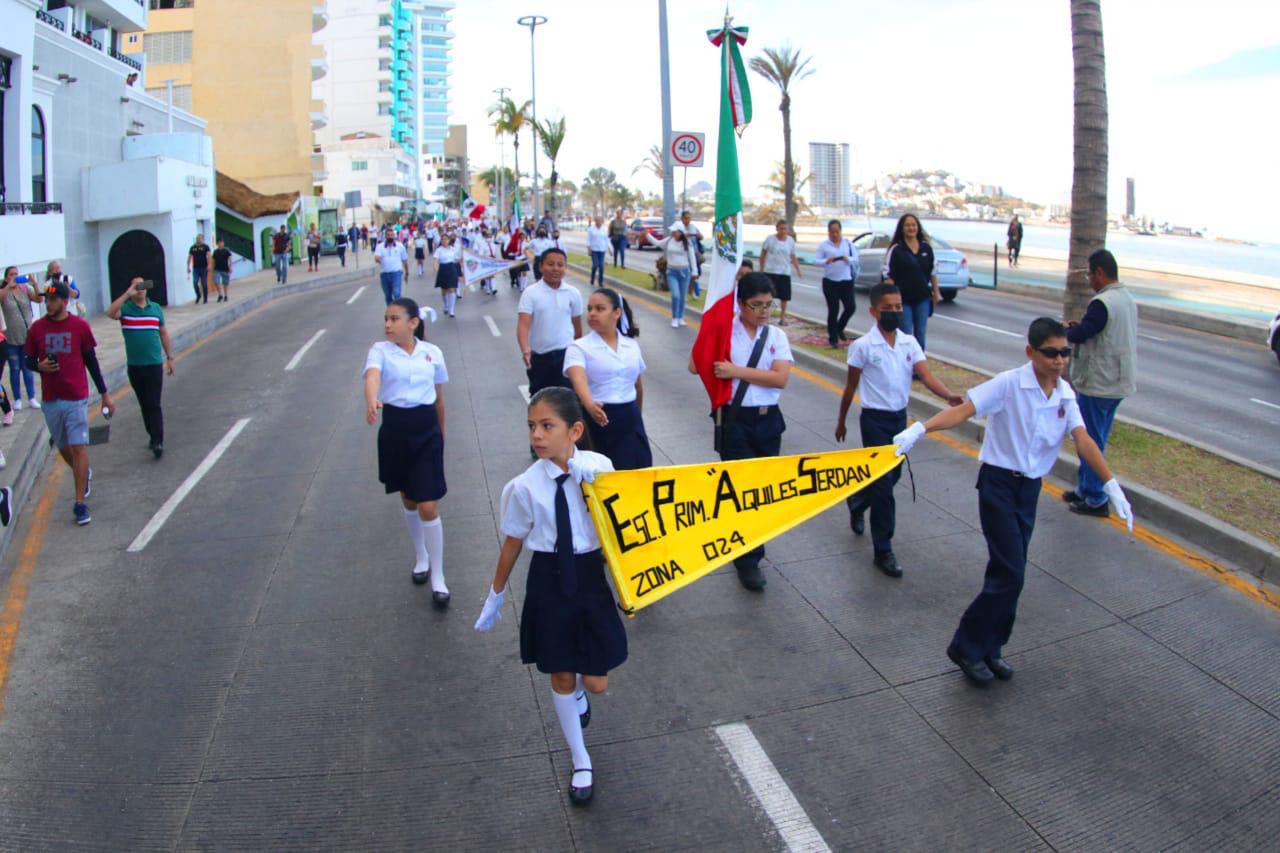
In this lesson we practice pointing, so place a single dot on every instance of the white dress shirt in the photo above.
(844, 270)
(776, 348)
(1025, 428)
(597, 239)
(408, 380)
(445, 255)
(528, 506)
(540, 244)
(392, 257)
(611, 375)
(886, 370)
(777, 255)
(553, 310)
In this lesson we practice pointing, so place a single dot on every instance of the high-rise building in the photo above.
(829, 179)
(434, 47)
(1130, 200)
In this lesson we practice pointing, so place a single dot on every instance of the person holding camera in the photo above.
(682, 264)
(60, 346)
(17, 293)
(148, 353)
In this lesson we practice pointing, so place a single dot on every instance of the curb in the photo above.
(1242, 550)
(33, 439)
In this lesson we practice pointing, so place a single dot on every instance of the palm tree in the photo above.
(510, 119)
(783, 67)
(596, 186)
(620, 196)
(1089, 178)
(495, 176)
(652, 163)
(778, 185)
(551, 133)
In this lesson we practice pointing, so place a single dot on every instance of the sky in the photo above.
(982, 89)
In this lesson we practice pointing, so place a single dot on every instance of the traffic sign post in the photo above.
(687, 149)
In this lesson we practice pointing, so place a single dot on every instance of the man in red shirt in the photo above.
(60, 346)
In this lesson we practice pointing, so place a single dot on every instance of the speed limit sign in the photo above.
(687, 149)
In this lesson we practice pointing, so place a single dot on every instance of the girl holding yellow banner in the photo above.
(569, 627)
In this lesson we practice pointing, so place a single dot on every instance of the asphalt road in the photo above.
(262, 675)
(1218, 391)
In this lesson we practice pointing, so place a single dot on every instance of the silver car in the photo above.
(950, 264)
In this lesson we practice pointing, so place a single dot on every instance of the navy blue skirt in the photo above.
(624, 440)
(411, 453)
(579, 633)
(447, 276)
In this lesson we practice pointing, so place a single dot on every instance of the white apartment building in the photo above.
(96, 172)
(829, 180)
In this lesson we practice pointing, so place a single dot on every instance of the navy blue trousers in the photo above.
(753, 435)
(1007, 509)
(879, 426)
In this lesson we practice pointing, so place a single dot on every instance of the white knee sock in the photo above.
(567, 713)
(433, 537)
(580, 695)
(414, 526)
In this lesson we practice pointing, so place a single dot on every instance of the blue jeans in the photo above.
(200, 281)
(678, 281)
(619, 251)
(391, 285)
(1098, 414)
(13, 355)
(915, 319)
(281, 263)
(597, 265)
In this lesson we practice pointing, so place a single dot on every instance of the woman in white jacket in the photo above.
(682, 266)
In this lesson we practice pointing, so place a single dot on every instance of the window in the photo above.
(39, 186)
(384, 109)
(172, 4)
(359, 165)
(167, 48)
(181, 96)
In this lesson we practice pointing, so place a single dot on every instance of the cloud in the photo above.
(1245, 65)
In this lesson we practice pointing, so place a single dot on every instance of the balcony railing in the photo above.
(42, 15)
(24, 208)
(125, 58)
(87, 38)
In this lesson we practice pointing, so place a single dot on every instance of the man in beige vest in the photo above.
(1103, 370)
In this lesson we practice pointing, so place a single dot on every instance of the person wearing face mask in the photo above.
(883, 362)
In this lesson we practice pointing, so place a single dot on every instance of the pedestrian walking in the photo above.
(483, 246)
(340, 244)
(433, 237)
(605, 367)
(222, 271)
(402, 379)
(534, 249)
(393, 266)
(199, 265)
(677, 250)
(16, 296)
(448, 271)
(514, 250)
(549, 318)
(597, 245)
(618, 237)
(314, 242)
(1103, 371)
(1029, 410)
(839, 261)
(777, 260)
(61, 348)
(558, 241)
(882, 363)
(1014, 242)
(908, 263)
(569, 623)
(364, 236)
(759, 364)
(694, 237)
(55, 275)
(148, 354)
(281, 251)
(420, 254)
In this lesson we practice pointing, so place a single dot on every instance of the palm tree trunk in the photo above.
(789, 175)
(515, 166)
(1089, 179)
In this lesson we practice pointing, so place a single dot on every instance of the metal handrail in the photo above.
(21, 208)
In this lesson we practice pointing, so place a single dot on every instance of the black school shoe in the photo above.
(888, 563)
(1102, 510)
(751, 577)
(976, 671)
(1070, 497)
(999, 667)
(581, 796)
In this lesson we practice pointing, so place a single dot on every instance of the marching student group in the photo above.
(586, 391)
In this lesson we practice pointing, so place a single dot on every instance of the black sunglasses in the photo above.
(1050, 352)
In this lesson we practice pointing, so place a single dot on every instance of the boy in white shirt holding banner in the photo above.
(883, 362)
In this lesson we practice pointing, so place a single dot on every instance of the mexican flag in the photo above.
(468, 205)
(712, 343)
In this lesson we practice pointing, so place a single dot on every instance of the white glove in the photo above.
(585, 468)
(492, 610)
(1113, 490)
(905, 440)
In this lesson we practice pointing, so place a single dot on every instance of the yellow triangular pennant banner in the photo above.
(663, 528)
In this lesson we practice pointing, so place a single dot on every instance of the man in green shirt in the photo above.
(148, 353)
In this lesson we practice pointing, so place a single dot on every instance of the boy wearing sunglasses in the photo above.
(1028, 410)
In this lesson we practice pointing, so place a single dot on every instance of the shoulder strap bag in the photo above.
(726, 415)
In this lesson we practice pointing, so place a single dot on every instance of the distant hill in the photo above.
(700, 187)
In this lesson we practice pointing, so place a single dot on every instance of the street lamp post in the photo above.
(501, 92)
(533, 22)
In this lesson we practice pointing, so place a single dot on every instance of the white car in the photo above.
(952, 266)
(1275, 335)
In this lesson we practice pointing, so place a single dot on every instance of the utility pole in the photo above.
(533, 22)
(501, 92)
(668, 178)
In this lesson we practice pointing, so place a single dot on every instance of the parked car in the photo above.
(950, 264)
(1275, 335)
(652, 224)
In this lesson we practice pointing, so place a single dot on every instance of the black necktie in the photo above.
(564, 540)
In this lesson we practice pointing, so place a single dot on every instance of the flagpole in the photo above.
(668, 178)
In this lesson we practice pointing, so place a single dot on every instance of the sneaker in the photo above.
(17, 405)
(35, 404)
(675, 324)
(3, 462)
(82, 514)
(88, 485)
(8, 418)
(6, 506)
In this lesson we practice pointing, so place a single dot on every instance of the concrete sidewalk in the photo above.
(25, 443)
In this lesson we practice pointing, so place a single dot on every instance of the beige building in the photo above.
(247, 67)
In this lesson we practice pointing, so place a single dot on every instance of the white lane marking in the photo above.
(297, 356)
(786, 813)
(1153, 337)
(981, 326)
(493, 327)
(162, 515)
(356, 295)
(1263, 403)
(802, 284)
(524, 392)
